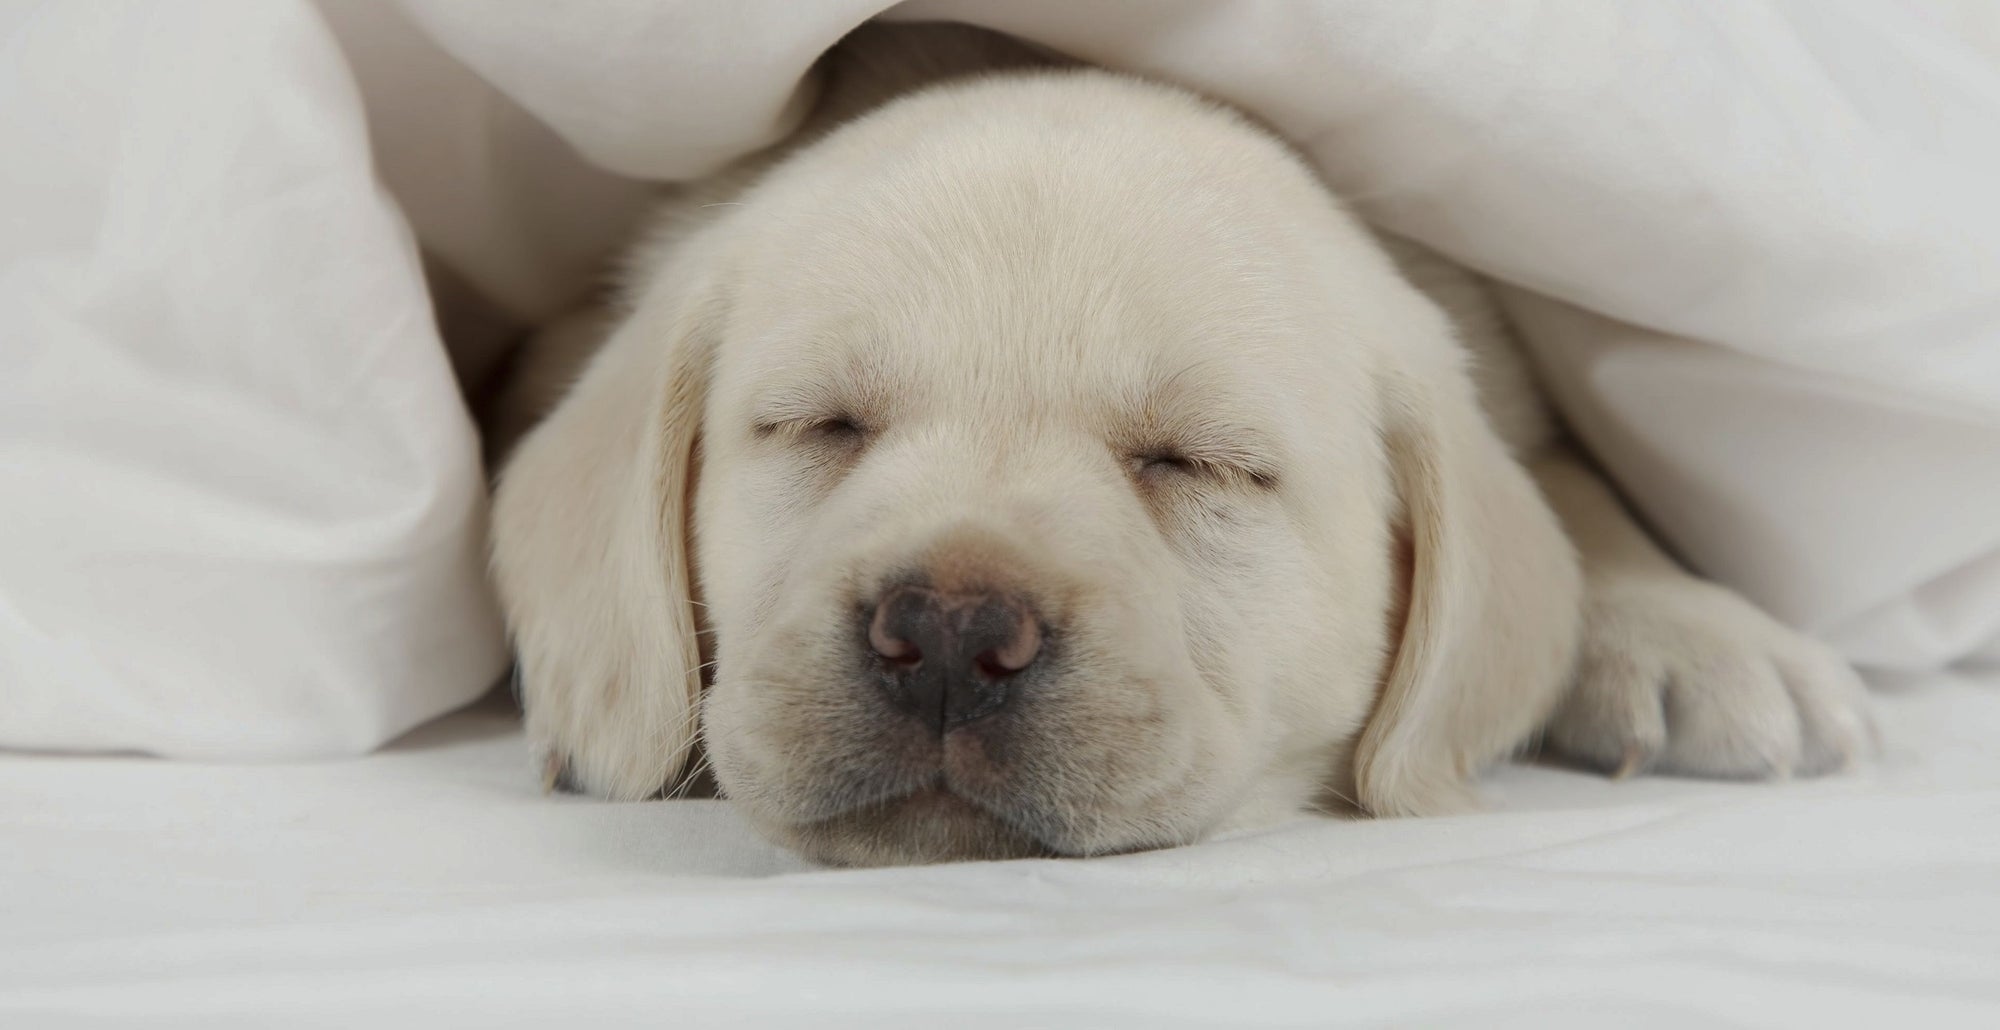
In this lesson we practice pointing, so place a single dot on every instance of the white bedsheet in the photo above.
(430, 884)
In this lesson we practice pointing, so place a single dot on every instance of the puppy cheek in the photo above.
(725, 741)
(742, 564)
(780, 715)
(1240, 619)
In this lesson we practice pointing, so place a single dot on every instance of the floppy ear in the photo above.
(1493, 594)
(590, 549)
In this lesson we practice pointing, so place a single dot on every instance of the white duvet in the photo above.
(1755, 245)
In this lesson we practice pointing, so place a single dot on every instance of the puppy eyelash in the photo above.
(843, 428)
(1167, 462)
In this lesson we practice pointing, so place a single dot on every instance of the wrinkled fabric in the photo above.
(241, 508)
(1754, 247)
(429, 885)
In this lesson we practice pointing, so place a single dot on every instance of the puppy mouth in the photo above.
(865, 784)
(893, 778)
(938, 801)
(932, 823)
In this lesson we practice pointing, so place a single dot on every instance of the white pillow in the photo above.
(240, 500)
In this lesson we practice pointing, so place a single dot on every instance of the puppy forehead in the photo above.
(997, 245)
(1015, 284)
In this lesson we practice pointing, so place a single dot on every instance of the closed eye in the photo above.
(1167, 462)
(840, 426)
(1158, 465)
(843, 429)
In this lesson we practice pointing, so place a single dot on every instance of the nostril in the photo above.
(888, 644)
(1022, 642)
(991, 667)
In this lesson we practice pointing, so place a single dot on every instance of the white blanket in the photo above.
(1756, 246)
(429, 885)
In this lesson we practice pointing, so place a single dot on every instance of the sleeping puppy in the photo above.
(1042, 462)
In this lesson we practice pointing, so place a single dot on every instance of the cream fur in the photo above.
(1018, 287)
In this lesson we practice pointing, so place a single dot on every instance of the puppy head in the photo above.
(1057, 441)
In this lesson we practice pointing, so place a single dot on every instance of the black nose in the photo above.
(949, 658)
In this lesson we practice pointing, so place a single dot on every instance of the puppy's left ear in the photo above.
(1493, 591)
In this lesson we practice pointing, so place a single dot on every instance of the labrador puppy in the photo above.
(1042, 461)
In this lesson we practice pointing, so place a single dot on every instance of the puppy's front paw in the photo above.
(1681, 676)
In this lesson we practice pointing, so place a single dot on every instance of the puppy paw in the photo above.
(1680, 676)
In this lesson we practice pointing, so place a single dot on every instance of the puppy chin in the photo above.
(931, 825)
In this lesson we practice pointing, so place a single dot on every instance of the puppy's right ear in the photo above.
(590, 546)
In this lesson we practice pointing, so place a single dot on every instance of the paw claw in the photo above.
(555, 773)
(1632, 763)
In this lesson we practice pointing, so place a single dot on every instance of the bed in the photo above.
(432, 884)
(1751, 246)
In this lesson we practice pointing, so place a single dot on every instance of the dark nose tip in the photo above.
(950, 658)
